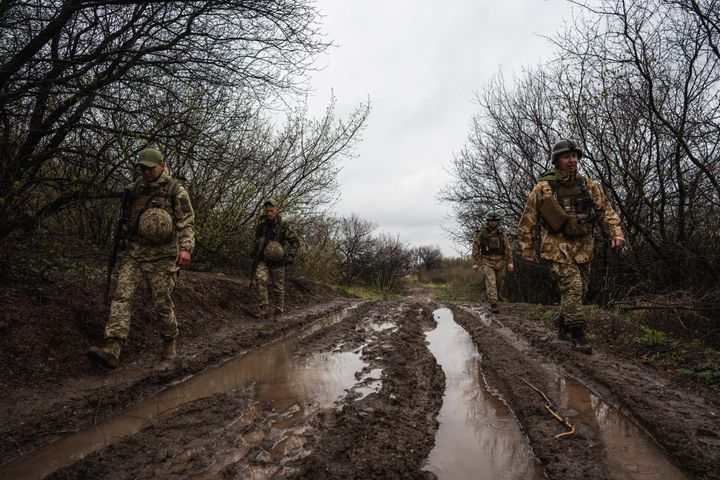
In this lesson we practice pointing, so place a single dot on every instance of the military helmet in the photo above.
(155, 225)
(149, 157)
(492, 216)
(563, 146)
(274, 252)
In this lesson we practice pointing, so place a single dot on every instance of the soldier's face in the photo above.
(493, 223)
(568, 161)
(271, 212)
(150, 174)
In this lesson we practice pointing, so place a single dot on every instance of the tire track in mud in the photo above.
(504, 367)
(686, 423)
(387, 434)
(390, 434)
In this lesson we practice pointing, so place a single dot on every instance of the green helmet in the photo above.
(563, 146)
(273, 251)
(492, 216)
(155, 225)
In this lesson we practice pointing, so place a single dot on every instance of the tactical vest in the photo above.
(575, 200)
(491, 242)
(267, 233)
(145, 197)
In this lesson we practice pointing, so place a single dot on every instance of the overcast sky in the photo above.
(419, 62)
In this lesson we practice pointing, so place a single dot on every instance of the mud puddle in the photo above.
(628, 451)
(478, 436)
(293, 387)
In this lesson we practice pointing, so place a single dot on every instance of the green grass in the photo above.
(365, 293)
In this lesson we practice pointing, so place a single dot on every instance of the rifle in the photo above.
(252, 272)
(119, 223)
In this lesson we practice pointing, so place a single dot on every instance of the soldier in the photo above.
(275, 247)
(568, 206)
(157, 238)
(490, 251)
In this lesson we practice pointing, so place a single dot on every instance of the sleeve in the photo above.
(476, 249)
(607, 217)
(508, 247)
(293, 244)
(528, 222)
(184, 220)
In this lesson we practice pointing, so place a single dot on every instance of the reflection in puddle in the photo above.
(478, 437)
(628, 451)
(291, 387)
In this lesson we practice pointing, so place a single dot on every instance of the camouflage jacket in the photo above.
(280, 231)
(179, 208)
(503, 244)
(558, 247)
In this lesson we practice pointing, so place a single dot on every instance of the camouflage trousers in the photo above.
(160, 277)
(572, 279)
(275, 276)
(493, 271)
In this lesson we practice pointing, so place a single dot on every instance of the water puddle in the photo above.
(292, 387)
(628, 451)
(478, 436)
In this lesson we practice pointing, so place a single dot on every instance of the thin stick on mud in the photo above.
(553, 411)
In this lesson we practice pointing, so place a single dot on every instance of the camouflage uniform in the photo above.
(273, 272)
(490, 250)
(569, 255)
(146, 259)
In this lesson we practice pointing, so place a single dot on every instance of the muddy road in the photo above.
(347, 389)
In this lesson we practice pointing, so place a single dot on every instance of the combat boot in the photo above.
(563, 330)
(577, 332)
(277, 314)
(169, 351)
(107, 356)
(264, 312)
(494, 308)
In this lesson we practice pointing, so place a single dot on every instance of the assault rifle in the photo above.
(119, 223)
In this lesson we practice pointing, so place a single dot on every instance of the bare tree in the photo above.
(70, 69)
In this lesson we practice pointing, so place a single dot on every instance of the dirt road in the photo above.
(346, 389)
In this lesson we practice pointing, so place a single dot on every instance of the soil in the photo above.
(50, 390)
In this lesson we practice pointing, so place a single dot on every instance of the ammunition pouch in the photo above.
(578, 225)
(554, 215)
(494, 243)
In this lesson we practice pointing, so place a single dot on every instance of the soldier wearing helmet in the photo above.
(276, 245)
(567, 206)
(158, 238)
(490, 253)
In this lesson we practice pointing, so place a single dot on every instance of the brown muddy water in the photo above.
(628, 451)
(294, 387)
(478, 436)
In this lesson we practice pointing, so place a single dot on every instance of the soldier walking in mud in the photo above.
(276, 245)
(158, 238)
(568, 206)
(491, 249)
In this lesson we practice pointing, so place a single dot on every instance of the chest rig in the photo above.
(491, 242)
(146, 201)
(573, 205)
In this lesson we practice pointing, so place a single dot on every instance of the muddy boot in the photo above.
(277, 314)
(577, 332)
(494, 308)
(107, 356)
(563, 330)
(169, 352)
(264, 312)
